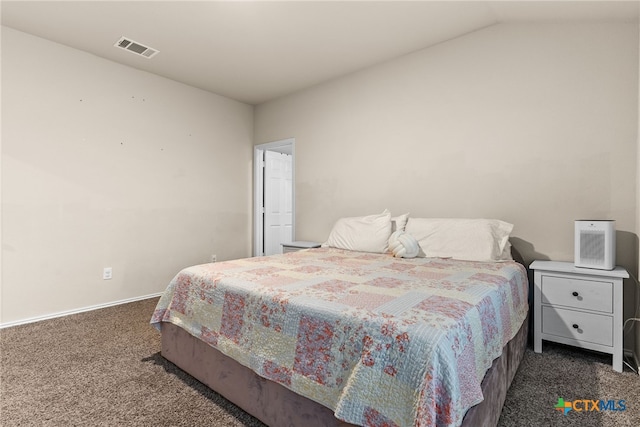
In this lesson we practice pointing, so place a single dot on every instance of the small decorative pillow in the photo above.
(398, 223)
(403, 245)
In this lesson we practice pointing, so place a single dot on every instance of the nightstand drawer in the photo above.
(578, 293)
(591, 327)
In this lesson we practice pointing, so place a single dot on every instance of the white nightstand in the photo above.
(578, 306)
(298, 245)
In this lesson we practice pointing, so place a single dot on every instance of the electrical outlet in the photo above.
(213, 258)
(107, 273)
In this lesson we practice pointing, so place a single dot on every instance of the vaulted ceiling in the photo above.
(254, 51)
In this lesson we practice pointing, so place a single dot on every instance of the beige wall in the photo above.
(107, 166)
(530, 123)
(103, 165)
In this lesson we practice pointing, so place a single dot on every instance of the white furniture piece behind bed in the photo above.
(577, 306)
(298, 245)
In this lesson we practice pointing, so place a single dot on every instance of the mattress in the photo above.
(376, 339)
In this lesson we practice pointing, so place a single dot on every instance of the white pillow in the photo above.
(363, 233)
(398, 223)
(506, 252)
(464, 239)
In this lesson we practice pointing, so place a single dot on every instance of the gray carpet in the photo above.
(103, 368)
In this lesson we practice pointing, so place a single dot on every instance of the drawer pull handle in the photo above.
(575, 294)
(575, 326)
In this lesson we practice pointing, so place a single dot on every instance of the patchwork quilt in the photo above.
(381, 341)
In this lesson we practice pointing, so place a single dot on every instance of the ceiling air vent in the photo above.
(135, 47)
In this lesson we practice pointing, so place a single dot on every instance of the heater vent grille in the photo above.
(136, 48)
(592, 247)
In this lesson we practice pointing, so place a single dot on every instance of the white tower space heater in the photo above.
(595, 244)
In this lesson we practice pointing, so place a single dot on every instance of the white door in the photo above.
(278, 203)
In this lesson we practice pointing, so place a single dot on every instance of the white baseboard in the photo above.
(76, 311)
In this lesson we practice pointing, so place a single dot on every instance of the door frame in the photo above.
(287, 146)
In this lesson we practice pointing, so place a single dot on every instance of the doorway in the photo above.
(274, 196)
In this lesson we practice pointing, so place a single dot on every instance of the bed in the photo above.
(341, 337)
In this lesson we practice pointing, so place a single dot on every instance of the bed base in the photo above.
(276, 405)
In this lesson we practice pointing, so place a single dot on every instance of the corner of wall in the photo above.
(637, 324)
(0, 182)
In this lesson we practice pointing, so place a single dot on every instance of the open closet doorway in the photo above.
(274, 196)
